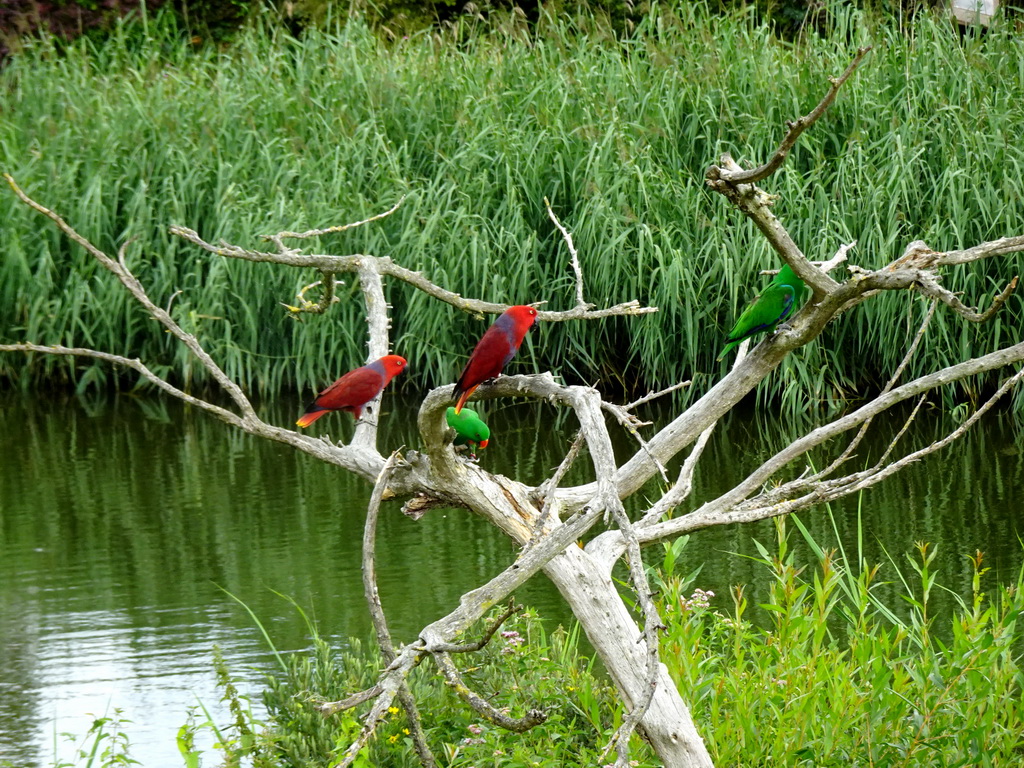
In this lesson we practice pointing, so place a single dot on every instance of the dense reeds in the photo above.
(273, 133)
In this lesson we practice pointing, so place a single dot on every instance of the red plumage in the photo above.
(355, 389)
(492, 353)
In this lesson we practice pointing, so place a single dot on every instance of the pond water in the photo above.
(127, 523)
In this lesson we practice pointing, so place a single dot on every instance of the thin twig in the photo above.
(655, 395)
(896, 466)
(888, 386)
(332, 230)
(684, 483)
(135, 364)
(630, 424)
(129, 281)
(485, 638)
(903, 430)
(795, 128)
(480, 705)
(575, 259)
(546, 491)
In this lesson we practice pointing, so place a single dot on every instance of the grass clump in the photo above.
(828, 675)
(127, 137)
(523, 667)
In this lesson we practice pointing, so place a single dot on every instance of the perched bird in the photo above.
(781, 299)
(469, 429)
(492, 353)
(355, 389)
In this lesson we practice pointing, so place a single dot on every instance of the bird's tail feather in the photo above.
(463, 396)
(310, 416)
(728, 349)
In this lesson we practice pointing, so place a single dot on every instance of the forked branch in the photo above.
(794, 129)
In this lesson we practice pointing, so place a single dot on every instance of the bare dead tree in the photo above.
(546, 520)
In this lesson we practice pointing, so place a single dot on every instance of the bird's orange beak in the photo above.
(483, 444)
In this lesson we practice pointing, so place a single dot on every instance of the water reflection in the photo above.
(124, 523)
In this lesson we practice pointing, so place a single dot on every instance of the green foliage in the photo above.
(523, 667)
(829, 676)
(104, 745)
(240, 742)
(280, 133)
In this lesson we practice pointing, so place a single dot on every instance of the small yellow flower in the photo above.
(393, 739)
(393, 710)
(405, 731)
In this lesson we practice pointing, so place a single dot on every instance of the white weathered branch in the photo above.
(1002, 247)
(128, 280)
(136, 365)
(358, 459)
(574, 257)
(533, 517)
(724, 509)
(386, 267)
(380, 623)
(379, 323)
(839, 258)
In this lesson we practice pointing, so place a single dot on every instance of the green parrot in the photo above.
(469, 429)
(784, 295)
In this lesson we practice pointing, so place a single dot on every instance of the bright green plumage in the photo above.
(469, 429)
(781, 299)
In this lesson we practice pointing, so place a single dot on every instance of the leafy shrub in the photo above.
(828, 675)
(523, 667)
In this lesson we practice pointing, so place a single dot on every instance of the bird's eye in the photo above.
(533, 311)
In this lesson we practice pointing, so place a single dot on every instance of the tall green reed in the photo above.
(127, 137)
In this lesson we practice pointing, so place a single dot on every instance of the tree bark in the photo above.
(587, 587)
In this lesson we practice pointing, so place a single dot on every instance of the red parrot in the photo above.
(355, 389)
(492, 353)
